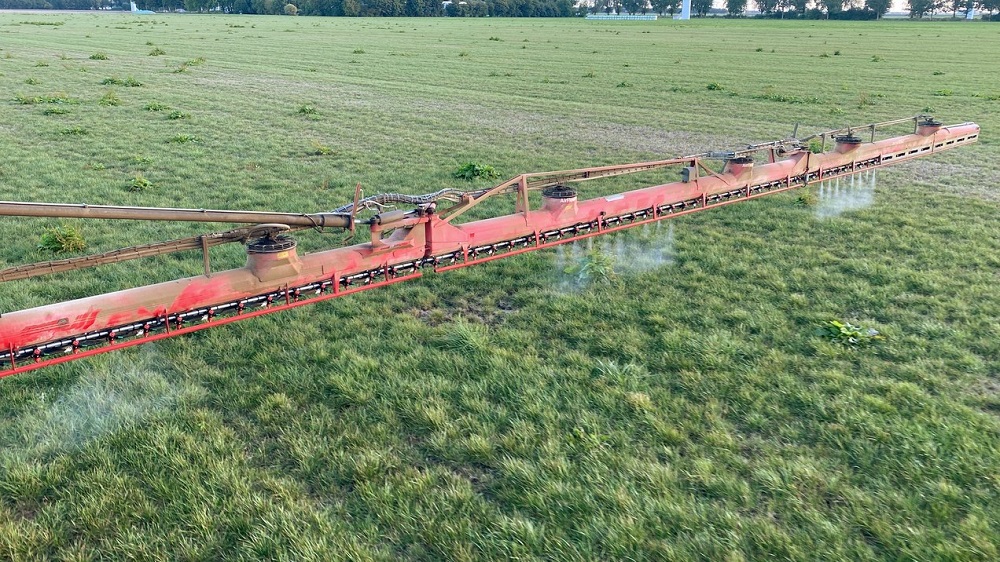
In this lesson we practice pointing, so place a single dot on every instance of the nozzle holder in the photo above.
(849, 138)
(559, 192)
(271, 245)
(928, 126)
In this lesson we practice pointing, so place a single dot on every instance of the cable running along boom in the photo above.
(405, 242)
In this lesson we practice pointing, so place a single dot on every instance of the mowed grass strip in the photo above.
(687, 410)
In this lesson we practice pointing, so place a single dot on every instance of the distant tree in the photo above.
(782, 6)
(766, 6)
(921, 8)
(665, 6)
(880, 7)
(632, 6)
(605, 6)
(422, 8)
(736, 8)
(350, 8)
(383, 8)
(800, 6)
(291, 10)
(499, 8)
(831, 7)
(701, 7)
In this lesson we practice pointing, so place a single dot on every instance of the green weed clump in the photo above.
(62, 239)
(155, 106)
(55, 111)
(177, 115)
(41, 64)
(715, 86)
(139, 183)
(771, 95)
(110, 98)
(848, 335)
(595, 267)
(74, 131)
(943, 93)
(58, 98)
(157, 52)
(140, 161)
(307, 110)
(358, 52)
(99, 56)
(128, 82)
(474, 170)
(320, 149)
(183, 139)
(624, 85)
(32, 81)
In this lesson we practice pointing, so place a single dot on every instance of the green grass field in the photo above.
(686, 412)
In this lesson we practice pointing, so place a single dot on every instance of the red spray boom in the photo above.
(404, 242)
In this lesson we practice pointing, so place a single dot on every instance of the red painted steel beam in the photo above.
(424, 240)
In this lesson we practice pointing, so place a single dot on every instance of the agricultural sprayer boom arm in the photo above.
(405, 242)
(83, 211)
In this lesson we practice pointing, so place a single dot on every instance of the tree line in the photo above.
(791, 9)
(810, 9)
(350, 8)
(807, 9)
(847, 9)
